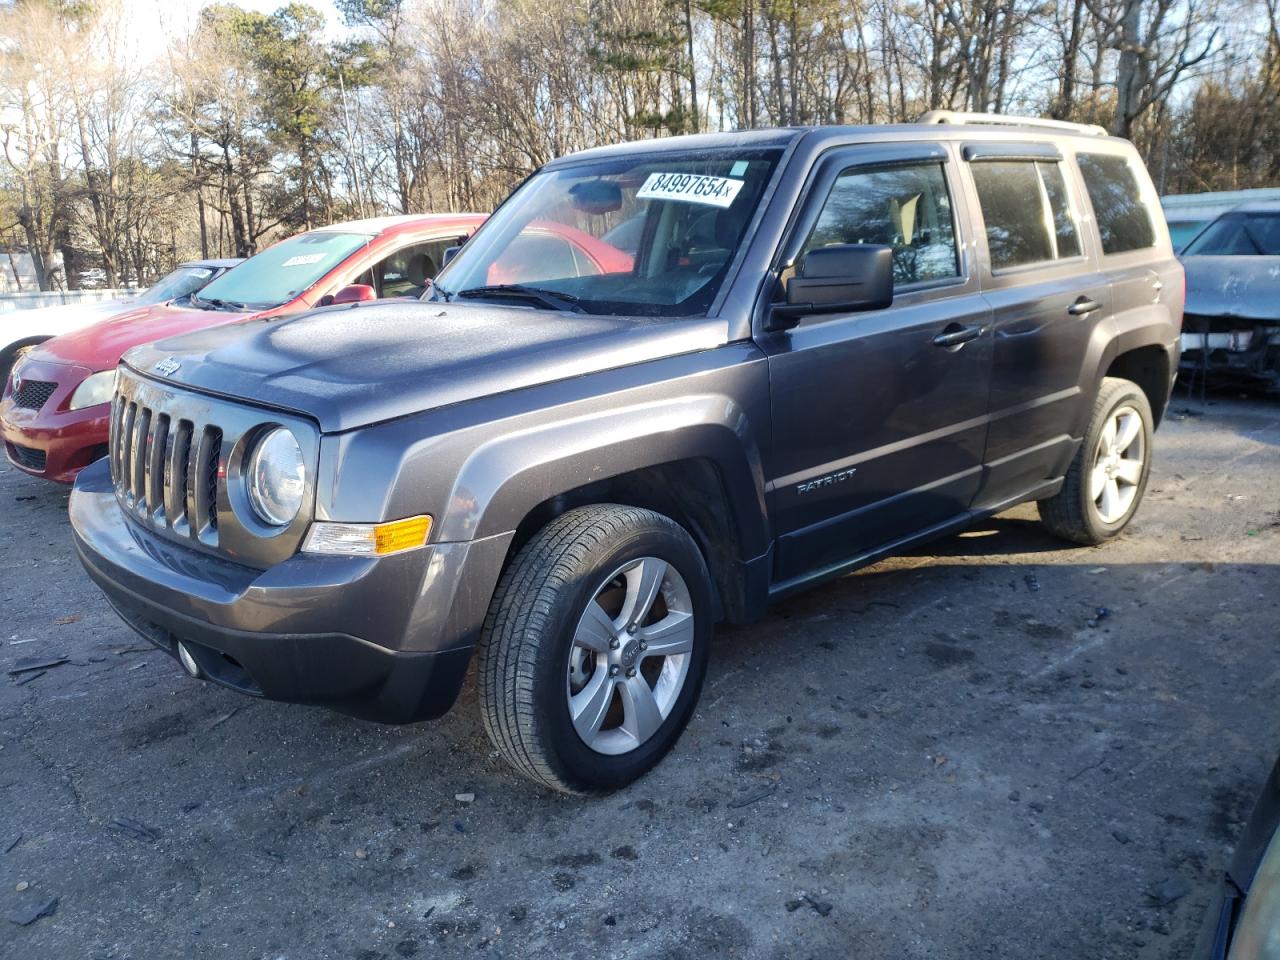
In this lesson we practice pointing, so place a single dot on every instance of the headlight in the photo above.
(94, 389)
(276, 477)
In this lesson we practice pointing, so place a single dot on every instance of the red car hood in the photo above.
(99, 346)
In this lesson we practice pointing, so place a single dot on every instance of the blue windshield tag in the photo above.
(738, 169)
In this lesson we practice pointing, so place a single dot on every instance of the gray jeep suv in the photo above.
(665, 384)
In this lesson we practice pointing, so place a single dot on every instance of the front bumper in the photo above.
(374, 638)
(53, 442)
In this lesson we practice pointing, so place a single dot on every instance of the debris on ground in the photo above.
(1032, 582)
(25, 916)
(362, 853)
(22, 886)
(31, 664)
(223, 719)
(820, 907)
(63, 621)
(752, 797)
(1171, 890)
(464, 797)
(134, 828)
(13, 842)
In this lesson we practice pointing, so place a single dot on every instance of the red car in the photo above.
(54, 413)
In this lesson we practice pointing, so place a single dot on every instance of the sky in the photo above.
(159, 21)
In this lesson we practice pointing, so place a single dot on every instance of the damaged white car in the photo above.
(1231, 328)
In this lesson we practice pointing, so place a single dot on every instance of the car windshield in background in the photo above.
(1239, 235)
(280, 273)
(181, 282)
(643, 235)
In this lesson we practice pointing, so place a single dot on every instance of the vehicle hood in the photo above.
(351, 366)
(100, 346)
(1245, 287)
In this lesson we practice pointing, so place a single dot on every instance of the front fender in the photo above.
(507, 477)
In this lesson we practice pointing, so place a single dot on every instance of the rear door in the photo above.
(1040, 274)
(878, 430)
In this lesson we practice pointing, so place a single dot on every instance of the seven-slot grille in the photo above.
(165, 469)
(33, 394)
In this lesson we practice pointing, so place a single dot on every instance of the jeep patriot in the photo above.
(806, 349)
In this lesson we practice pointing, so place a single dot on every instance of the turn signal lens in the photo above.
(368, 539)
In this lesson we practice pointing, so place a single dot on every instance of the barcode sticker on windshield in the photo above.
(305, 258)
(690, 188)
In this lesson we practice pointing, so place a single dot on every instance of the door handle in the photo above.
(1083, 306)
(954, 337)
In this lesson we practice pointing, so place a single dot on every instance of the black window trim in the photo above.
(1074, 207)
(977, 152)
(843, 158)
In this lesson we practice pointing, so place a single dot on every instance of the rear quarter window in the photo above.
(1124, 220)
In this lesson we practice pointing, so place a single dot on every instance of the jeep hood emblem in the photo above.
(167, 367)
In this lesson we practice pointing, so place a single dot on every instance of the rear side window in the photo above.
(1026, 212)
(904, 207)
(1124, 222)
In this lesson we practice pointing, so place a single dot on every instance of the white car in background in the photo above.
(23, 329)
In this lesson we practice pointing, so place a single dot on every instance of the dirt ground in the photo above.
(997, 746)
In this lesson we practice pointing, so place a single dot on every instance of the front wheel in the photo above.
(595, 648)
(1108, 476)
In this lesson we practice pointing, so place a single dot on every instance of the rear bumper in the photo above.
(345, 633)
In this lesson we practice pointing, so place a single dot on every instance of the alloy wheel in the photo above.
(630, 656)
(1117, 464)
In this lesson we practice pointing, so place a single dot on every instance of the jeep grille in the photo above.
(166, 469)
(175, 457)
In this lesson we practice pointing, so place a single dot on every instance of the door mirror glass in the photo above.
(450, 253)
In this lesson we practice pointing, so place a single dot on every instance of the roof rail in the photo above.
(1000, 119)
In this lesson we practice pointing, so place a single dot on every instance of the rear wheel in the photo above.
(1108, 476)
(595, 648)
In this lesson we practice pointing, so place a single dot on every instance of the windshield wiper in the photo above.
(550, 298)
(218, 304)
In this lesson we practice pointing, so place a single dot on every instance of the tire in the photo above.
(1079, 512)
(546, 651)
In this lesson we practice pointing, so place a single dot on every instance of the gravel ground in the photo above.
(950, 754)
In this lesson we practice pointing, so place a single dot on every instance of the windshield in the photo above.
(1239, 235)
(644, 235)
(181, 282)
(280, 273)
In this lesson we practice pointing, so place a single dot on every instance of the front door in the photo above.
(879, 417)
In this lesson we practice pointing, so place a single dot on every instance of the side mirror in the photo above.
(843, 278)
(355, 293)
(449, 254)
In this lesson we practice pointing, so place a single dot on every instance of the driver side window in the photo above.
(407, 272)
(905, 207)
